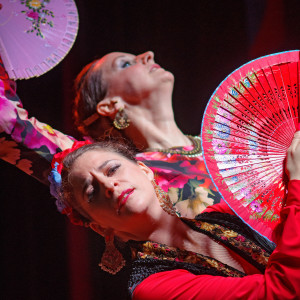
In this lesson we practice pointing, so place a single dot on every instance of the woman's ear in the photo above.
(108, 107)
(149, 173)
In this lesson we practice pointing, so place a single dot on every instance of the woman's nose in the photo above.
(107, 184)
(109, 187)
(146, 57)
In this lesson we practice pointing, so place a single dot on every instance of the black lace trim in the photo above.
(143, 268)
(235, 223)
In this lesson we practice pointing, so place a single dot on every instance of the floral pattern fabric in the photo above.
(25, 142)
(235, 240)
(185, 178)
(163, 252)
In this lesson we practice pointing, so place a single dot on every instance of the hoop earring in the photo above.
(121, 120)
(112, 260)
(164, 199)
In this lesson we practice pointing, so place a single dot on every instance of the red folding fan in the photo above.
(248, 125)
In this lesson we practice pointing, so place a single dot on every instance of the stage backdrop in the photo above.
(200, 42)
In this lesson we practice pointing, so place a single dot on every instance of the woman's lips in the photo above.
(154, 67)
(123, 198)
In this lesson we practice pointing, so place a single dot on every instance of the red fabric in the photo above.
(60, 156)
(219, 207)
(280, 281)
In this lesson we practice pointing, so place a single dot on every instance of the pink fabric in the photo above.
(25, 142)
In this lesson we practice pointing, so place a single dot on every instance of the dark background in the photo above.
(200, 42)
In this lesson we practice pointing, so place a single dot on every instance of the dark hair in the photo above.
(90, 88)
(121, 147)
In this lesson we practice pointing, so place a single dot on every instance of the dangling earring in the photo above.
(121, 120)
(164, 199)
(112, 260)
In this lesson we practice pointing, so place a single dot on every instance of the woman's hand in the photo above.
(293, 158)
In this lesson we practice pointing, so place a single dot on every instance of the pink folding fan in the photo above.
(35, 35)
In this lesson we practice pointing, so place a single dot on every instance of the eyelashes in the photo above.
(127, 63)
(94, 187)
(112, 170)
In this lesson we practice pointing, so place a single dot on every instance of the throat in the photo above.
(149, 135)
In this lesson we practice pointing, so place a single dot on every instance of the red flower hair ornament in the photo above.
(55, 182)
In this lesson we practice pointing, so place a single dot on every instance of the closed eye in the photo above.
(127, 63)
(112, 170)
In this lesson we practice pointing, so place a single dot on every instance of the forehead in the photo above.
(95, 160)
(95, 156)
(90, 161)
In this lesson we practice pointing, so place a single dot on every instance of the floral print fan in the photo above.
(35, 35)
(248, 125)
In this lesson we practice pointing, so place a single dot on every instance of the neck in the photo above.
(173, 233)
(165, 229)
(153, 125)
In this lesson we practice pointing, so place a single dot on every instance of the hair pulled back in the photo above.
(90, 88)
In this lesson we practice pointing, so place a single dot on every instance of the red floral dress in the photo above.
(184, 176)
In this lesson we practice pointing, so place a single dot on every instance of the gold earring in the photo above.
(164, 199)
(112, 260)
(121, 120)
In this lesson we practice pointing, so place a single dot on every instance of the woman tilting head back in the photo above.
(121, 81)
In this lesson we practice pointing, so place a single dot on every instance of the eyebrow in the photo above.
(88, 181)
